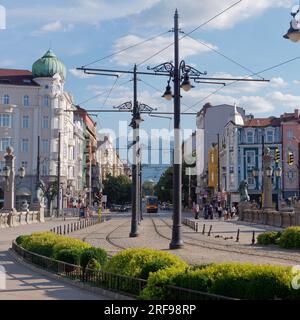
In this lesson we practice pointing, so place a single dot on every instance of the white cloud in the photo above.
(197, 12)
(284, 100)
(54, 27)
(278, 82)
(138, 54)
(256, 104)
(80, 74)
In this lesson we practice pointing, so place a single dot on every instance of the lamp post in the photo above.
(278, 173)
(9, 190)
(178, 72)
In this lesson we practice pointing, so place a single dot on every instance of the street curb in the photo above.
(98, 291)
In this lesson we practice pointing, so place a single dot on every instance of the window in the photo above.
(5, 120)
(250, 137)
(26, 101)
(270, 136)
(25, 145)
(44, 169)
(5, 143)
(45, 146)
(250, 179)
(290, 134)
(6, 99)
(24, 164)
(45, 122)
(25, 122)
(46, 101)
(250, 158)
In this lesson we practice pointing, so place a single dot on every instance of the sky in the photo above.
(82, 31)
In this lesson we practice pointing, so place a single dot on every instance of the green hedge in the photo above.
(242, 281)
(269, 237)
(93, 257)
(61, 248)
(140, 262)
(290, 238)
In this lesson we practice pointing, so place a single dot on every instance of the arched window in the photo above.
(6, 99)
(26, 101)
(46, 101)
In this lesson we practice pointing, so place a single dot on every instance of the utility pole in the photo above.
(219, 176)
(58, 176)
(135, 173)
(177, 241)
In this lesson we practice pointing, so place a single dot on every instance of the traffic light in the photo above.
(277, 155)
(290, 158)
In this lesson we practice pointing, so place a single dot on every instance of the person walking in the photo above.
(225, 213)
(211, 211)
(197, 210)
(219, 210)
(232, 211)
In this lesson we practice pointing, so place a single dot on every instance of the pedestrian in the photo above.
(197, 210)
(81, 211)
(219, 210)
(211, 211)
(205, 211)
(232, 211)
(225, 213)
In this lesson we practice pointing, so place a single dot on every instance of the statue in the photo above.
(40, 190)
(243, 189)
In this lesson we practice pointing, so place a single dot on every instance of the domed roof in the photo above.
(48, 66)
(236, 117)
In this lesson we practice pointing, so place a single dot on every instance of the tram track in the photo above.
(208, 245)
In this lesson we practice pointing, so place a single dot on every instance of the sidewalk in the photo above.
(24, 284)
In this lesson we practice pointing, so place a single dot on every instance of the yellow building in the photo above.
(213, 167)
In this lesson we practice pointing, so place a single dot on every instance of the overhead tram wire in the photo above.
(127, 48)
(233, 82)
(157, 53)
(222, 55)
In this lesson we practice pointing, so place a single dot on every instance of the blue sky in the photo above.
(81, 31)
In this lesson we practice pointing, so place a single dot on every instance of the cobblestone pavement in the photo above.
(155, 232)
(24, 284)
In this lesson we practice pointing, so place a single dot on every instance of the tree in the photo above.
(117, 189)
(164, 188)
(50, 191)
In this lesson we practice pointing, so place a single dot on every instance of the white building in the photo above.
(34, 104)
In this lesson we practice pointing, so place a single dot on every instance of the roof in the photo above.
(263, 122)
(16, 77)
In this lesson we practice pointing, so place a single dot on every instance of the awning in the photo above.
(23, 192)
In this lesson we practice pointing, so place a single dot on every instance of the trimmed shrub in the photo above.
(140, 262)
(242, 281)
(290, 238)
(71, 256)
(68, 243)
(269, 237)
(94, 256)
(21, 239)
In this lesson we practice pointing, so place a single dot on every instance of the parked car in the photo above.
(115, 208)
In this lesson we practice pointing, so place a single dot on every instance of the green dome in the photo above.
(48, 66)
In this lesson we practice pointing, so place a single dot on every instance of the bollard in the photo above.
(253, 238)
(57, 230)
(197, 227)
(64, 229)
(209, 232)
(71, 227)
(203, 230)
(238, 236)
(60, 230)
(78, 225)
(68, 229)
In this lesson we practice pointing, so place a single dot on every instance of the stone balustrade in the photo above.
(286, 217)
(19, 218)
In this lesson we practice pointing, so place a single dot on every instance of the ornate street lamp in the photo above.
(22, 172)
(168, 93)
(278, 172)
(6, 172)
